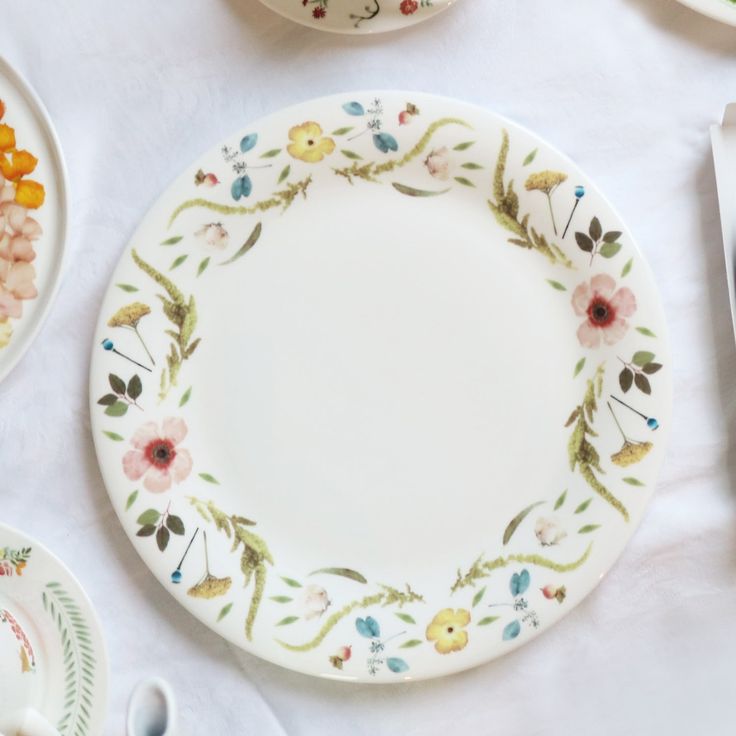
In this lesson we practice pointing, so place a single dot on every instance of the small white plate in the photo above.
(722, 10)
(33, 237)
(63, 650)
(358, 16)
(382, 437)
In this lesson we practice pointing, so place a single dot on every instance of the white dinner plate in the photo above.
(381, 387)
(722, 10)
(358, 16)
(33, 216)
(58, 638)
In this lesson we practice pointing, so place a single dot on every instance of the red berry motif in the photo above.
(408, 7)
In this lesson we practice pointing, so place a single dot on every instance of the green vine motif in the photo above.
(284, 199)
(482, 569)
(182, 313)
(583, 456)
(505, 209)
(253, 558)
(371, 171)
(388, 596)
(79, 660)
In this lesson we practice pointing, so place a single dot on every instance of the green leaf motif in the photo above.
(185, 397)
(287, 621)
(556, 285)
(633, 482)
(405, 617)
(114, 436)
(178, 261)
(516, 521)
(642, 357)
(478, 597)
(203, 266)
(162, 538)
(609, 250)
(464, 181)
(209, 478)
(471, 166)
(463, 146)
(645, 331)
(341, 572)
(579, 367)
(127, 287)
(351, 155)
(175, 525)
(488, 620)
(583, 506)
(146, 531)
(342, 131)
(150, 516)
(172, 241)
(411, 644)
(285, 173)
(224, 612)
(291, 582)
(118, 409)
(414, 192)
(78, 660)
(281, 599)
(530, 157)
(588, 528)
(626, 270)
(117, 384)
(252, 240)
(560, 501)
(107, 400)
(135, 387)
(131, 500)
(272, 153)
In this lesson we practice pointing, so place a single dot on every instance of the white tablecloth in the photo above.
(628, 88)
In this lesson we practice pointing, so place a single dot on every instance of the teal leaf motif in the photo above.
(354, 108)
(396, 664)
(248, 142)
(368, 627)
(520, 583)
(511, 631)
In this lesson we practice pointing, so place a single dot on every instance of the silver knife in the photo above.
(723, 138)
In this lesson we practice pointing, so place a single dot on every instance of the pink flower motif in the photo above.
(16, 284)
(438, 163)
(605, 310)
(6, 569)
(156, 455)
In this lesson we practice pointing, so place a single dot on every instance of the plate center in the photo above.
(383, 380)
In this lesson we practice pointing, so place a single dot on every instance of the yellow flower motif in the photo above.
(210, 587)
(6, 332)
(545, 181)
(130, 315)
(630, 453)
(308, 144)
(447, 630)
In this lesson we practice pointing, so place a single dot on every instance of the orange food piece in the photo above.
(24, 162)
(7, 137)
(6, 167)
(30, 194)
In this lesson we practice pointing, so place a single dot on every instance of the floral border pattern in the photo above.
(366, 151)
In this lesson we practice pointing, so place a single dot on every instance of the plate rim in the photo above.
(713, 9)
(352, 31)
(102, 679)
(62, 246)
(665, 350)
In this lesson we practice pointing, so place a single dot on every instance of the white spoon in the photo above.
(152, 709)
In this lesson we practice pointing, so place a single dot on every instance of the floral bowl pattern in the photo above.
(357, 16)
(358, 195)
